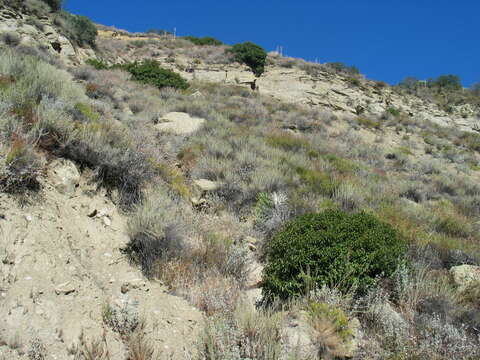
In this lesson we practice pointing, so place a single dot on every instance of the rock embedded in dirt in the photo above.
(465, 275)
(204, 185)
(64, 289)
(64, 176)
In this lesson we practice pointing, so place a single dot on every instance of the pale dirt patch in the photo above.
(59, 266)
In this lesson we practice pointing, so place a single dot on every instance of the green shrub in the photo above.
(85, 112)
(287, 142)
(369, 123)
(139, 43)
(150, 72)
(79, 29)
(316, 181)
(97, 64)
(330, 248)
(393, 111)
(206, 40)
(252, 55)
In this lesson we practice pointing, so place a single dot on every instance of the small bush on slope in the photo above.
(154, 232)
(252, 55)
(332, 248)
(150, 72)
(21, 169)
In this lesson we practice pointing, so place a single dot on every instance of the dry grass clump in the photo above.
(91, 349)
(245, 334)
(155, 231)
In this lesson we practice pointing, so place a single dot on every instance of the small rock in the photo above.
(92, 213)
(206, 185)
(133, 284)
(251, 240)
(107, 221)
(64, 289)
(197, 201)
(124, 288)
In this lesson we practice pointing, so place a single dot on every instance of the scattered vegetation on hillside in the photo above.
(305, 203)
(446, 90)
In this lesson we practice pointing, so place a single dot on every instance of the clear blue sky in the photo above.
(386, 40)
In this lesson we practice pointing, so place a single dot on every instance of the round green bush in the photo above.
(252, 55)
(330, 248)
(150, 72)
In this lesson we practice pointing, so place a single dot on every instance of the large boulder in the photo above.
(179, 123)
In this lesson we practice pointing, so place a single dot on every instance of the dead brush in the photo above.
(87, 349)
(328, 342)
(140, 348)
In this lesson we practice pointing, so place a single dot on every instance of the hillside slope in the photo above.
(143, 216)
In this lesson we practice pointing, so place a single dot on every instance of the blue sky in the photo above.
(386, 40)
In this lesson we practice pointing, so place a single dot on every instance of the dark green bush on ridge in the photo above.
(150, 72)
(331, 248)
(252, 55)
(203, 41)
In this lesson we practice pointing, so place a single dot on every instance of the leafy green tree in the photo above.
(449, 81)
(252, 55)
(332, 248)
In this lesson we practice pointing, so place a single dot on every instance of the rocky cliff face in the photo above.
(319, 89)
(40, 32)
